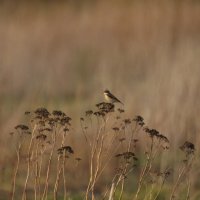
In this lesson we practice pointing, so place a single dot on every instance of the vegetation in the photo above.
(44, 152)
(62, 55)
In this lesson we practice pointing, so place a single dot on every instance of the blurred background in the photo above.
(64, 54)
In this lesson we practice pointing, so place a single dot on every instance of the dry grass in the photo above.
(62, 56)
(115, 152)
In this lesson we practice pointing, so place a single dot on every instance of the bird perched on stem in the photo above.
(111, 98)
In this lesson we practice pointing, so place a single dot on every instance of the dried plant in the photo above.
(109, 137)
(188, 149)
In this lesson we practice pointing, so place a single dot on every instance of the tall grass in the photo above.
(113, 143)
(63, 55)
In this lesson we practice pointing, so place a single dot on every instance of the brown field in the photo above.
(62, 56)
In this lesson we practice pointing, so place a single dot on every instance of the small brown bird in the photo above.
(111, 98)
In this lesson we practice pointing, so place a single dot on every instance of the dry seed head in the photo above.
(154, 133)
(116, 129)
(118, 155)
(88, 113)
(58, 113)
(188, 148)
(65, 129)
(27, 113)
(127, 121)
(163, 138)
(120, 110)
(127, 155)
(42, 112)
(41, 123)
(41, 137)
(139, 120)
(65, 121)
(66, 149)
(105, 107)
(99, 114)
(22, 127)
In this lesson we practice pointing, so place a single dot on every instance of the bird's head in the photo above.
(106, 91)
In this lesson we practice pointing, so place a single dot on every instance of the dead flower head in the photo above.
(65, 149)
(127, 121)
(188, 148)
(58, 113)
(41, 137)
(127, 155)
(88, 113)
(139, 120)
(42, 112)
(105, 107)
(23, 128)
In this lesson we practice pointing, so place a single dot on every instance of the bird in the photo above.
(111, 98)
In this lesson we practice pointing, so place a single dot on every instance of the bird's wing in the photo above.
(115, 98)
